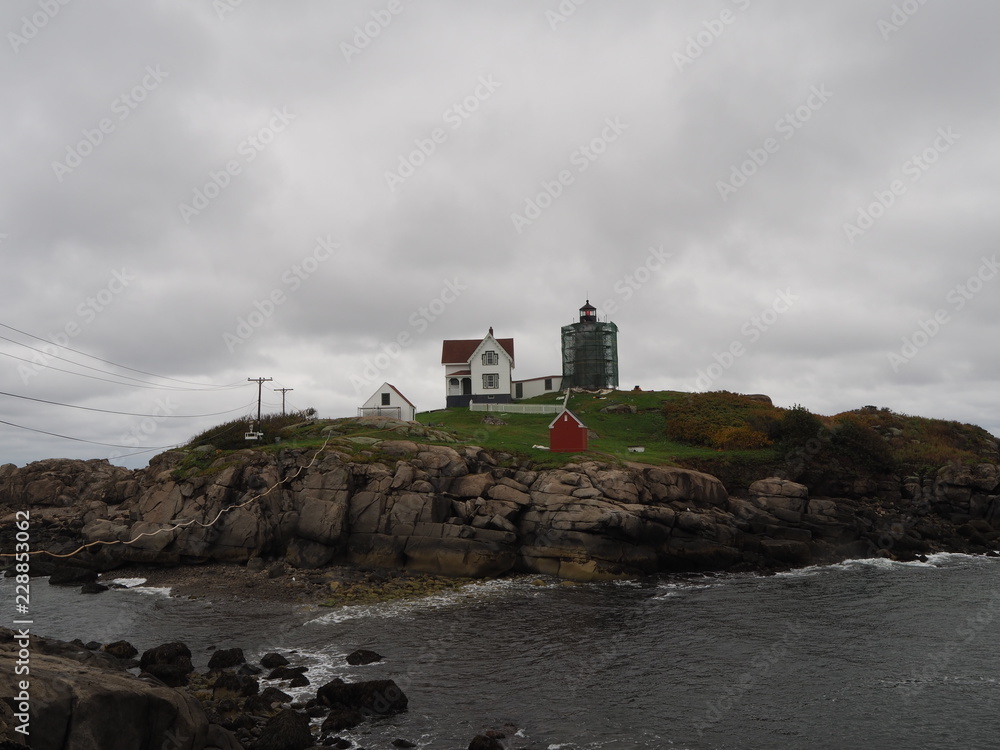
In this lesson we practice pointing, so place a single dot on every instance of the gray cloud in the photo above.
(290, 121)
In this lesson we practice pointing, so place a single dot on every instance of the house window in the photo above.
(491, 380)
(385, 399)
(548, 384)
(491, 358)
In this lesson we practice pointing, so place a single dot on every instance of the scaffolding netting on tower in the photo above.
(590, 355)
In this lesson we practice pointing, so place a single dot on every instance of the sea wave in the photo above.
(935, 560)
(129, 583)
(479, 591)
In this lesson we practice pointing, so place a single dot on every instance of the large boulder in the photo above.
(60, 482)
(170, 663)
(374, 697)
(287, 730)
(669, 484)
(89, 697)
(981, 477)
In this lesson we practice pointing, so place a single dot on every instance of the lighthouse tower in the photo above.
(590, 352)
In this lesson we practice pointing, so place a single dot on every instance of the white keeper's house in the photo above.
(479, 371)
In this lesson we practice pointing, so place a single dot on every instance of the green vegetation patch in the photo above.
(723, 420)
(736, 437)
(375, 590)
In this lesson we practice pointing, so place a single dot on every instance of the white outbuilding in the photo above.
(387, 401)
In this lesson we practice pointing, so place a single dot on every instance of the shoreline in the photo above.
(277, 583)
(343, 585)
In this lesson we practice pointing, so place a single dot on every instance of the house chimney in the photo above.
(491, 330)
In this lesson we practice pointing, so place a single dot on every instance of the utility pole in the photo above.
(260, 384)
(283, 392)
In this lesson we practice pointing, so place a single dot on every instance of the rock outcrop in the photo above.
(80, 698)
(461, 511)
(89, 697)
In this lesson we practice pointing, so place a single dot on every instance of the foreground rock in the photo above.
(84, 699)
(73, 692)
(456, 511)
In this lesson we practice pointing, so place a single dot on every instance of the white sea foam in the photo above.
(136, 584)
(323, 667)
(402, 608)
(806, 572)
(163, 591)
(129, 583)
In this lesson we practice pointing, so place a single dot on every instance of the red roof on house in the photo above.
(567, 417)
(401, 395)
(459, 351)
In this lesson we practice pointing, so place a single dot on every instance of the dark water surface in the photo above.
(866, 654)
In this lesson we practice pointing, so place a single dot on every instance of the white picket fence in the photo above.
(517, 408)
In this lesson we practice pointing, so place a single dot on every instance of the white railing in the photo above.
(381, 411)
(517, 408)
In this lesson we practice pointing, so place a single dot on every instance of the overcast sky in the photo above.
(794, 198)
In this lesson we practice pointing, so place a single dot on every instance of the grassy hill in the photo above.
(735, 437)
(611, 433)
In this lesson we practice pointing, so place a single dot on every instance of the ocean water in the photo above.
(864, 654)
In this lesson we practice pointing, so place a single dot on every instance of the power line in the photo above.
(260, 384)
(127, 413)
(78, 364)
(83, 440)
(105, 361)
(283, 392)
(118, 382)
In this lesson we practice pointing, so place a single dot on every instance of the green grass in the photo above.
(675, 429)
(615, 432)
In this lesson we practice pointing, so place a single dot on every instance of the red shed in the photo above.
(567, 434)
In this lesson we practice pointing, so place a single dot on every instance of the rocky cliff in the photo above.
(463, 511)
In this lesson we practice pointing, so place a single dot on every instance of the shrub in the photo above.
(721, 420)
(231, 435)
(739, 439)
(859, 445)
(797, 427)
